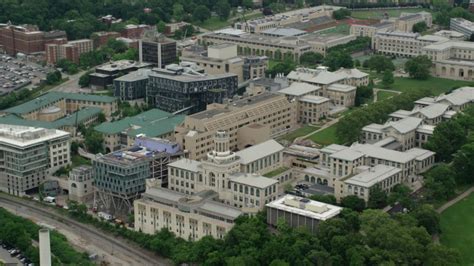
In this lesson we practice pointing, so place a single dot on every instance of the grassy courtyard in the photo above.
(338, 29)
(378, 14)
(302, 131)
(326, 136)
(457, 227)
(436, 85)
(382, 95)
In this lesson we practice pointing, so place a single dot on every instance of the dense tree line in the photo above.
(453, 142)
(19, 232)
(368, 238)
(349, 127)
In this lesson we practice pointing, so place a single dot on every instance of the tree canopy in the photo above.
(419, 67)
(420, 27)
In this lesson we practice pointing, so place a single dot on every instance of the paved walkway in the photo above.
(455, 200)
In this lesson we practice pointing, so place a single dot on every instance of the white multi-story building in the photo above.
(463, 26)
(213, 191)
(29, 154)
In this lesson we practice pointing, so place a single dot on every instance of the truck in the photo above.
(49, 199)
(105, 216)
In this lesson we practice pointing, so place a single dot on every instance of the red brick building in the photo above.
(25, 39)
(134, 31)
(70, 51)
(101, 38)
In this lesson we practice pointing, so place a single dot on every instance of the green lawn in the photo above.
(214, 23)
(326, 136)
(378, 14)
(436, 85)
(382, 95)
(78, 160)
(276, 172)
(339, 29)
(457, 227)
(302, 131)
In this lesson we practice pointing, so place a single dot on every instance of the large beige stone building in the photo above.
(370, 30)
(286, 18)
(402, 44)
(248, 121)
(339, 86)
(291, 46)
(452, 59)
(218, 177)
(223, 58)
(406, 21)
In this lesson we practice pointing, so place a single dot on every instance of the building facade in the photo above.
(248, 121)
(300, 212)
(182, 88)
(29, 155)
(155, 49)
(132, 86)
(81, 184)
(463, 26)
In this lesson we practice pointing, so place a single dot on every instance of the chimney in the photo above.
(44, 247)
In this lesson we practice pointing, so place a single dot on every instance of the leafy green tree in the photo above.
(463, 164)
(53, 77)
(223, 9)
(427, 217)
(201, 13)
(337, 59)
(94, 141)
(420, 27)
(341, 13)
(419, 67)
(311, 59)
(363, 94)
(441, 255)
(377, 198)
(284, 67)
(387, 79)
(161, 27)
(401, 194)
(117, 46)
(440, 183)
(84, 80)
(353, 202)
(380, 63)
(101, 117)
(447, 138)
(178, 12)
(330, 199)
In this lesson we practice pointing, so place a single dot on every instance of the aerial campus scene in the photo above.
(237, 132)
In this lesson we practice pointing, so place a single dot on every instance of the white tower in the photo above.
(44, 247)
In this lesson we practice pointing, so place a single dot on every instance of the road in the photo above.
(71, 85)
(111, 249)
(7, 259)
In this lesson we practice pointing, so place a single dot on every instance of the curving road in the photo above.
(111, 249)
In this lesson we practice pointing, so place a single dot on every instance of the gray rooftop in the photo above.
(259, 151)
(253, 180)
(186, 164)
(373, 175)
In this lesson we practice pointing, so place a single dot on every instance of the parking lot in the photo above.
(7, 259)
(18, 73)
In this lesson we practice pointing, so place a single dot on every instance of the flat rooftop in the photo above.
(372, 175)
(305, 207)
(244, 102)
(197, 203)
(259, 151)
(24, 136)
(253, 180)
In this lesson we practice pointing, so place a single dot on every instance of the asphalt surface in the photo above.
(7, 259)
(84, 237)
